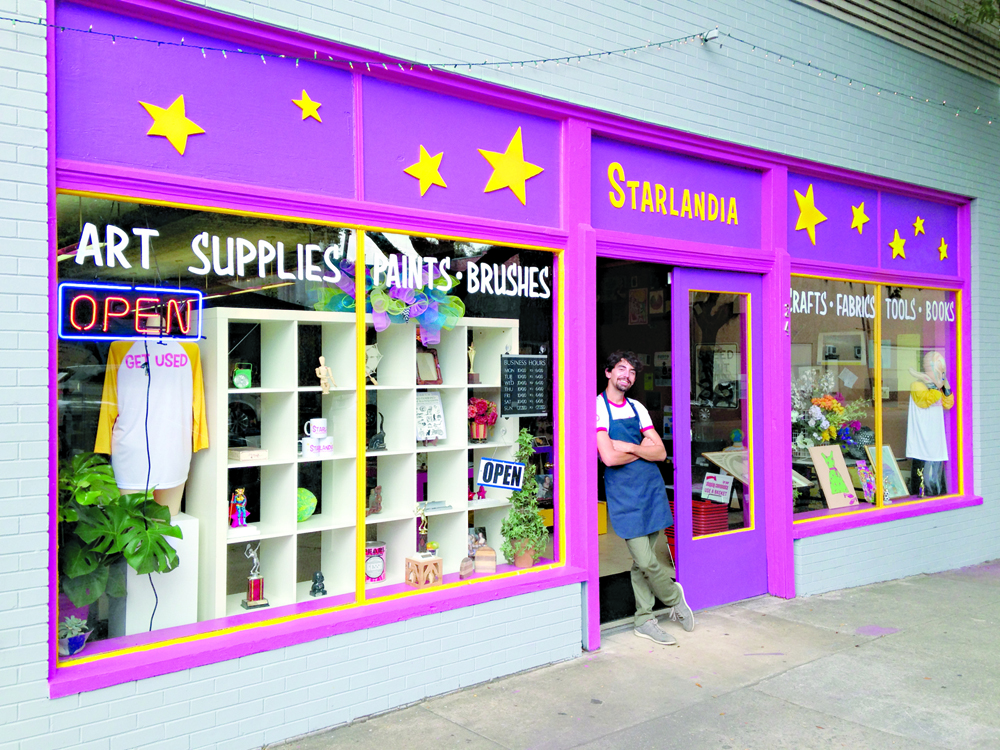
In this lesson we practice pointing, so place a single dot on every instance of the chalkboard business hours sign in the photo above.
(524, 385)
(111, 312)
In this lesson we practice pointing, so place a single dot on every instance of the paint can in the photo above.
(374, 562)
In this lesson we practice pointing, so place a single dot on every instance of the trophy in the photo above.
(255, 581)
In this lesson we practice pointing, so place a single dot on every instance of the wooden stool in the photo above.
(422, 572)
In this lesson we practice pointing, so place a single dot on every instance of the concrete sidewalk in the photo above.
(912, 663)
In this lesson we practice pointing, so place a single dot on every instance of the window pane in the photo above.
(919, 419)
(457, 327)
(833, 377)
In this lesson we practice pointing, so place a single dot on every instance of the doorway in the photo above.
(697, 335)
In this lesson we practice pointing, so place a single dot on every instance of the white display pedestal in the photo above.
(177, 590)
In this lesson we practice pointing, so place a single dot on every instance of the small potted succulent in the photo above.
(73, 636)
(482, 415)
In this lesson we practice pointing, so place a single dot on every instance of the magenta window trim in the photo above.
(803, 529)
(581, 243)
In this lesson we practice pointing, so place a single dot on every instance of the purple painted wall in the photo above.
(254, 133)
(666, 181)
(835, 239)
(940, 224)
(879, 214)
(399, 119)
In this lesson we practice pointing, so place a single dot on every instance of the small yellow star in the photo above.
(918, 227)
(859, 217)
(510, 169)
(172, 123)
(809, 215)
(897, 245)
(427, 170)
(943, 249)
(309, 107)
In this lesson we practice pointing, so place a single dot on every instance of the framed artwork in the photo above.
(638, 307)
(844, 348)
(656, 302)
(892, 478)
(661, 369)
(834, 479)
(799, 482)
(428, 367)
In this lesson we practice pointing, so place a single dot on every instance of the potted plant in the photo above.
(482, 415)
(524, 534)
(98, 526)
(73, 634)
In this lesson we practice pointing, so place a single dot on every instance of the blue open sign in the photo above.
(504, 475)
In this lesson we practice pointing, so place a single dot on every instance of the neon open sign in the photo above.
(96, 312)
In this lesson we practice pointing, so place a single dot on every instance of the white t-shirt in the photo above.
(621, 411)
(177, 419)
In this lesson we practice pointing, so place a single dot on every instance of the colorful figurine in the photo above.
(325, 375)
(238, 509)
(481, 493)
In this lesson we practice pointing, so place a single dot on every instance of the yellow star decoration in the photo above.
(809, 215)
(510, 169)
(943, 249)
(309, 107)
(427, 170)
(918, 227)
(859, 217)
(172, 123)
(897, 245)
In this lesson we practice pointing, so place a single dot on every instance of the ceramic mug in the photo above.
(309, 447)
(315, 428)
(325, 447)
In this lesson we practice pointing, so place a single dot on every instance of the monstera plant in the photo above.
(98, 526)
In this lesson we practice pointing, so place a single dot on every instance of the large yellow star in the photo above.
(918, 227)
(859, 217)
(897, 245)
(809, 215)
(510, 169)
(309, 107)
(943, 249)
(172, 123)
(426, 170)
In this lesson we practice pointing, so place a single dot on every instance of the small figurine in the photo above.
(318, 589)
(238, 509)
(377, 443)
(325, 375)
(374, 501)
(920, 476)
(481, 493)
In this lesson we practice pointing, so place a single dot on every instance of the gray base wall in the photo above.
(265, 698)
(731, 93)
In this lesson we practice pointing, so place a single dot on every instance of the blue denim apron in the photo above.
(637, 499)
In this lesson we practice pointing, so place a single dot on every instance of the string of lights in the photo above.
(808, 67)
(778, 57)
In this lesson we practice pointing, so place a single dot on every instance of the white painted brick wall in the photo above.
(729, 93)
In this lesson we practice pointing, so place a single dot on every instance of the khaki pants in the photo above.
(649, 577)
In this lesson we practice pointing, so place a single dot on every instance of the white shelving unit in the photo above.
(287, 548)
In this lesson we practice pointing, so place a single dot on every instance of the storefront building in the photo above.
(342, 314)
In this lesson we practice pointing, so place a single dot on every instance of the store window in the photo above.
(230, 424)
(872, 391)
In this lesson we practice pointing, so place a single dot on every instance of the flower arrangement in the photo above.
(430, 306)
(482, 415)
(820, 415)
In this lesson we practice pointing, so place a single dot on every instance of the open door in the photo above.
(717, 379)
